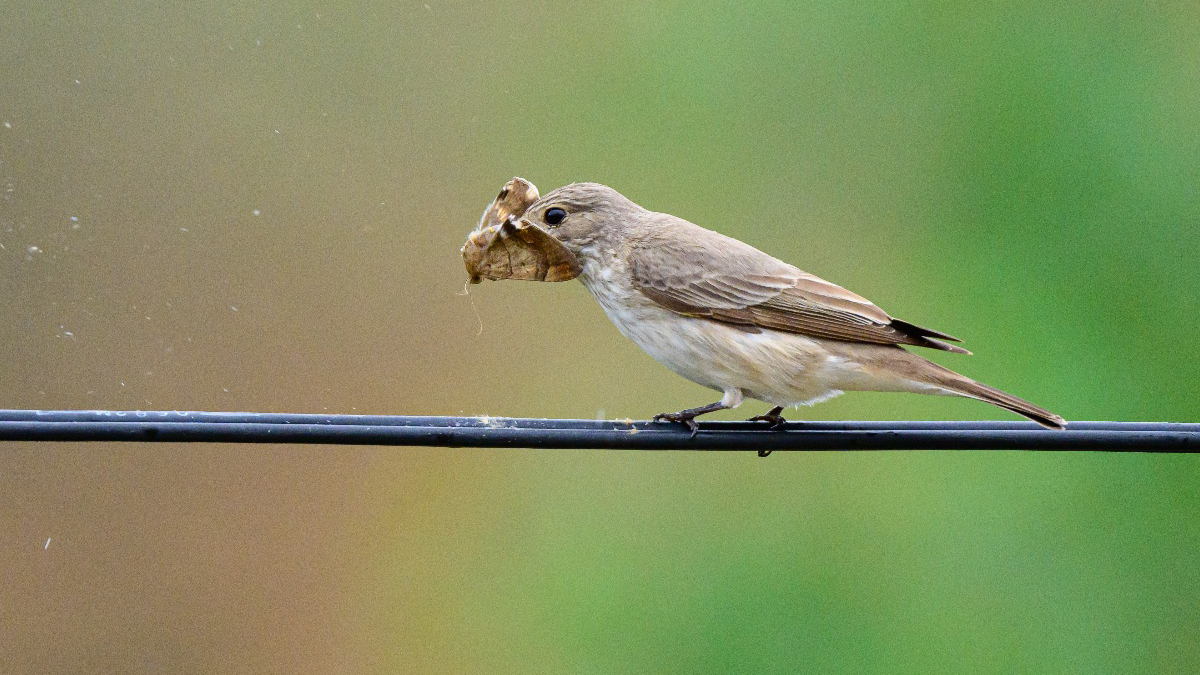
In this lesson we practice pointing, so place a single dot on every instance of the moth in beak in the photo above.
(505, 246)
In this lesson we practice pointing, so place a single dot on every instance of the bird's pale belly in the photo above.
(779, 368)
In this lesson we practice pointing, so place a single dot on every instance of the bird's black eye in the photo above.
(554, 216)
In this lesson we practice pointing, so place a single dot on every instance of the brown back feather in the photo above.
(697, 272)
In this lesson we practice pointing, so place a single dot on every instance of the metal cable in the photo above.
(502, 432)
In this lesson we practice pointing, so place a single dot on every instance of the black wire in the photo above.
(501, 432)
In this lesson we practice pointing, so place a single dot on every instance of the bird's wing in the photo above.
(719, 278)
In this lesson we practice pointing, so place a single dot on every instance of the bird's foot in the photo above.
(773, 416)
(688, 416)
(775, 419)
(683, 417)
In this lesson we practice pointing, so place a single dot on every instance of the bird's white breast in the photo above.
(780, 368)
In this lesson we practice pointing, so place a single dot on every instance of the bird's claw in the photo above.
(776, 421)
(690, 421)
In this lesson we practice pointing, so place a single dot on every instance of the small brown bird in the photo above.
(727, 316)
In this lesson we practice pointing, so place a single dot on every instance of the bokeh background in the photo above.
(258, 206)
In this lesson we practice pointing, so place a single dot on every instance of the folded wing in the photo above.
(711, 276)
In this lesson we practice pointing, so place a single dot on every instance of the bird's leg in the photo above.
(688, 416)
(774, 416)
(731, 399)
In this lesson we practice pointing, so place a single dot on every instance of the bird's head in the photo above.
(585, 217)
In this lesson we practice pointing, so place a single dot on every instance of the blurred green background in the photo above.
(258, 206)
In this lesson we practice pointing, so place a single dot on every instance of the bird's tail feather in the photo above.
(965, 386)
(983, 392)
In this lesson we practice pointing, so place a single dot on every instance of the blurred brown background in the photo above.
(238, 206)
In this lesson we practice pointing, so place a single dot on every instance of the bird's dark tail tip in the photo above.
(983, 392)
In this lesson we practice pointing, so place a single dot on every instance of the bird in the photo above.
(732, 318)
